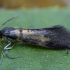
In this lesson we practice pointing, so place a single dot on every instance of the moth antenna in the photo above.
(9, 20)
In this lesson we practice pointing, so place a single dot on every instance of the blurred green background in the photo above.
(10, 4)
(34, 57)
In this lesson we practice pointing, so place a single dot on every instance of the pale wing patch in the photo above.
(17, 32)
(42, 38)
(27, 32)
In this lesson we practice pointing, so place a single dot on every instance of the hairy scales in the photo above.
(53, 37)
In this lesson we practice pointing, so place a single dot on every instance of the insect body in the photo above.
(53, 37)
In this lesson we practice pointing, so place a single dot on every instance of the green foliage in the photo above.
(34, 57)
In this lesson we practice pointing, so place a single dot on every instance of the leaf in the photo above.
(34, 57)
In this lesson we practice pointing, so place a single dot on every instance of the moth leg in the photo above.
(7, 46)
(66, 51)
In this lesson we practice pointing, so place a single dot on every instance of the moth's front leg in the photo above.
(7, 46)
